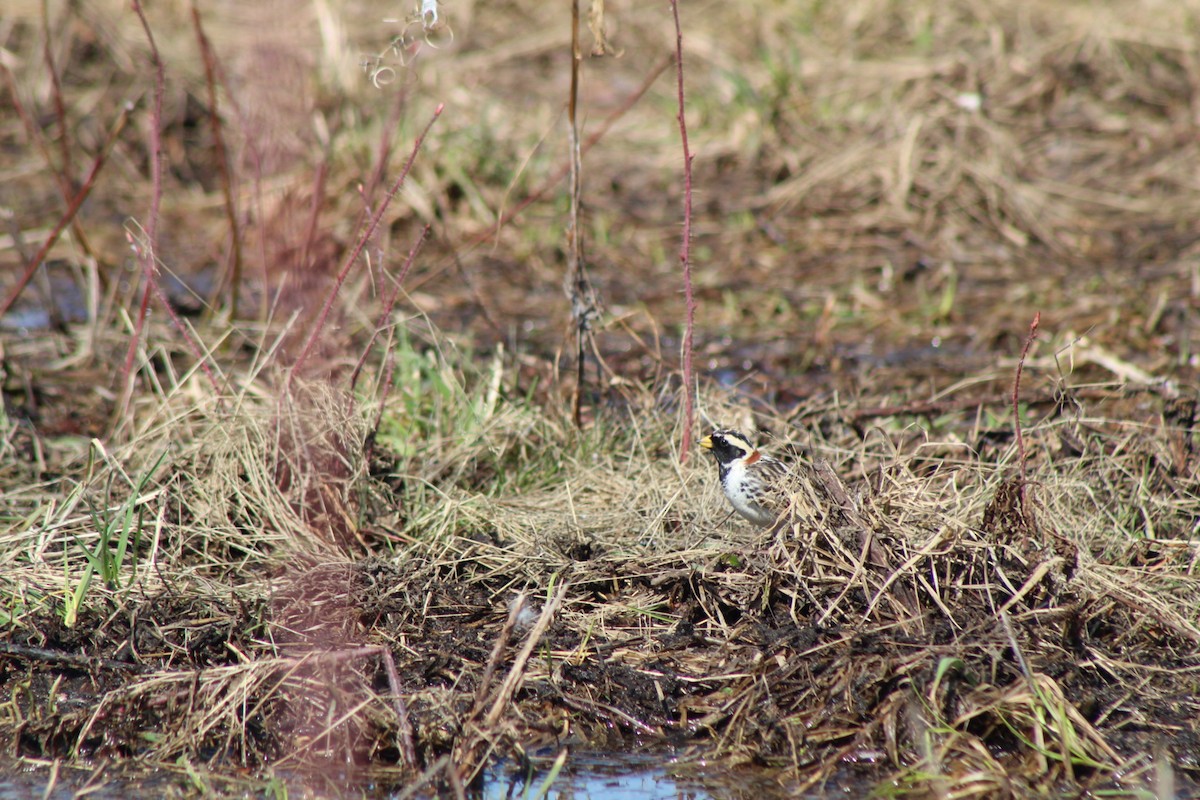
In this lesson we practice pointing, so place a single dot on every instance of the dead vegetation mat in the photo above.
(886, 193)
(295, 606)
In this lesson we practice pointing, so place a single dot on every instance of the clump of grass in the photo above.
(263, 570)
(909, 612)
(118, 531)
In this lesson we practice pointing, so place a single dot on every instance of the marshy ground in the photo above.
(289, 524)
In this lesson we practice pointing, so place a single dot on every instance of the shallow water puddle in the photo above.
(583, 776)
(601, 776)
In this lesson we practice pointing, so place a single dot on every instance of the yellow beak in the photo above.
(706, 443)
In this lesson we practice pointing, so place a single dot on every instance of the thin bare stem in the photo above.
(471, 749)
(685, 247)
(388, 303)
(72, 209)
(147, 250)
(255, 159)
(588, 144)
(516, 675)
(404, 729)
(62, 175)
(60, 108)
(1022, 492)
(363, 238)
(576, 283)
(485, 682)
(234, 272)
(384, 154)
(314, 212)
(389, 370)
(1016, 393)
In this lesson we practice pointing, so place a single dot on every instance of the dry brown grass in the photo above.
(886, 193)
(922, 620)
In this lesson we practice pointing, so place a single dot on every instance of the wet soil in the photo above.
(829, 308)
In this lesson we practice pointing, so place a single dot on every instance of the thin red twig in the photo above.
(234, 273)
(148, 251)
(685, 258)
(388, 303)
(1022, 494)
(588, 144)
(255, 159)
(1016, 392)
(314, 212)
(363, 238)
(34, 131)
(61, 175)
(72, 209)
(384, 153)
(60, 108)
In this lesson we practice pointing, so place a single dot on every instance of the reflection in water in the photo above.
(592, 776)
(582, 776)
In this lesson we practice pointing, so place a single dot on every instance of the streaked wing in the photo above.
(770, 485)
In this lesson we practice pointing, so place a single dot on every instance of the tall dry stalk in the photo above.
(685, 246)
(363, 238)
(576, 285)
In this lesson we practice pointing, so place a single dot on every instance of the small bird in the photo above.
(753, 483)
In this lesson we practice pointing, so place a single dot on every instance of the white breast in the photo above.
(743, 502)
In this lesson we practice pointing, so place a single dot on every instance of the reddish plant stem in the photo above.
(384, 153)
(314, 212)
(148, 252)
(388, 303)
(69, 215)
(255, 159)
(35, 134)
(234, 272)
(1022, 494)
(363, 238)
(587, 145)
(65, 183)
(389, 370)
(685, 258)
(60, 108)
(1016, 392)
